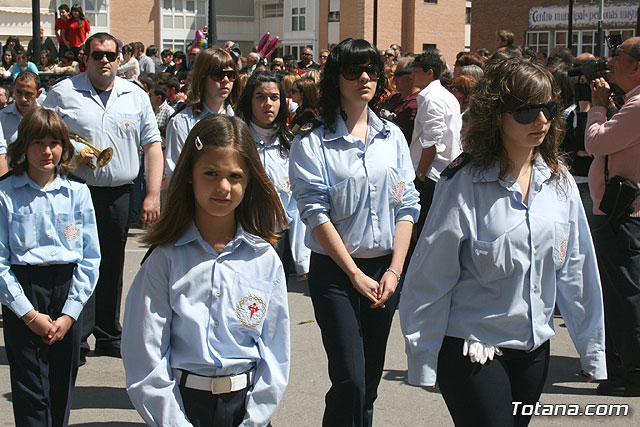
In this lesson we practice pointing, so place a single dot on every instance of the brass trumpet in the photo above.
(83, 147)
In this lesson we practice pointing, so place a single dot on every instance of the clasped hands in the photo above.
(376, 292)
(49, 330)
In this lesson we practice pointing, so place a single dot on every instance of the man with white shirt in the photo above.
(436, 134)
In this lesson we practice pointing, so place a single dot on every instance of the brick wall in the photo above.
(139, 23)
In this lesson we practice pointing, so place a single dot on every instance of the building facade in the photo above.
(543, 24)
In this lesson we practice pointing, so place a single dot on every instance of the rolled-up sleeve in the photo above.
(309, 181)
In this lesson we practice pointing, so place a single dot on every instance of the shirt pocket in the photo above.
(128, 125)
(23, 231)
(250, 299)
(561, 235)
(69, 229)
(344, 199)
(493, 260)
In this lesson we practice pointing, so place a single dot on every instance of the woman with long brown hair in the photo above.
(213, 93)
(304, 93)
(505, 240)
(77, 30)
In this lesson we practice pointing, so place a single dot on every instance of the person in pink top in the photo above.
(617, 240)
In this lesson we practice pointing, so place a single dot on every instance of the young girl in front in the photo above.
(49, 259)
(205, 340)
(262, 106)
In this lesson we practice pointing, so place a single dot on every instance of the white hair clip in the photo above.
(198, 143)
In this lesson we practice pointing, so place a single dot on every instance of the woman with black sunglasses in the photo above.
(352, 177)
(213, 93)
(505, 240)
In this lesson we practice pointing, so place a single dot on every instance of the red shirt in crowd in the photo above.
(76, 32)
(405, 111)
(61, 24)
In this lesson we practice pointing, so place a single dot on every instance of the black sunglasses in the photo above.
(230, 74)
(354, 71)
(529, 113)
(99, 54)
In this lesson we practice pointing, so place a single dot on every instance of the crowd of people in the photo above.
(477, 189)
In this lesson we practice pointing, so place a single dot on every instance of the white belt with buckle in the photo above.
(216, 385)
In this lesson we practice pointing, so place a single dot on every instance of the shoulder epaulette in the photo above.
(309, 126)
(148, 254)
(75, 178)
(457, 164)
(6, 175)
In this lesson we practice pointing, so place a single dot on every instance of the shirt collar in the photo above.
(431, 87)
(492, 173)
(120, 86)
(25, 180)
(12, 109)
(632, 92)
(375, 124)
(193, 234)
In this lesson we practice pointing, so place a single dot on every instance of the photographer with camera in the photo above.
(614, 178)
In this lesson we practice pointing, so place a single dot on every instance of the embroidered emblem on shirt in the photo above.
(307, 126)
(563, 249)
(126, 126)
(286, 184)
(251, 310)
(398, 191)
(71, 232)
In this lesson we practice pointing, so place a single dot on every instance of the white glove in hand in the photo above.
(480, 352)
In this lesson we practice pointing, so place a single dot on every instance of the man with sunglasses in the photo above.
(617, 142)
(306, 62)
(110, 112)
(404, 103)
(435, 141)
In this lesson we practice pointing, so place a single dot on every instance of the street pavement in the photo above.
(100, 398)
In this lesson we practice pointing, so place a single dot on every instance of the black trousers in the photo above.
(483, 395)
(618, 251)
(204, 409)
(42, 376)
(284, 252)
(102, 312)
(354, 338)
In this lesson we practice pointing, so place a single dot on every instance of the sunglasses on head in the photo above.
(99, 54)
(529, 113)
(354, 71)
(229, 74)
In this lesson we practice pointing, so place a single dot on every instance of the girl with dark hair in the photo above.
(8, 59)
(179, 63)
(49, 261)
(206, 325)
(262, 105)
(13, 43)
(129, 68)
(77, 30)
(352, 176)
(505, 240)
(304, 93)
(212, 86)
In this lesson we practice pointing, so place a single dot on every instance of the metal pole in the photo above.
(212, 35)
(570, 29)
(35, 41)
(599, 43)
(375, 22)
(638, 22)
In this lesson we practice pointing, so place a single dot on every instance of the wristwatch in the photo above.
(420, 174)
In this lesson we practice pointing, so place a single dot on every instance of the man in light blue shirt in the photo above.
(26, 90)
(111, 112)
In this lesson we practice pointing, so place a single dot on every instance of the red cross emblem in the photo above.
(253, 308)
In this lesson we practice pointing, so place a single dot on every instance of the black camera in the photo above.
(591, 69)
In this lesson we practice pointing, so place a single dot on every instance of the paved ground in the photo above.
(101, 400)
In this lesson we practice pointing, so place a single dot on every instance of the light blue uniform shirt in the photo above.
(3, 142)
(9, 120)
(363, 189)
(125, 124)
(277, 167)
(51, 225)
(489, 268)
(210, 314)
(178, 129)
